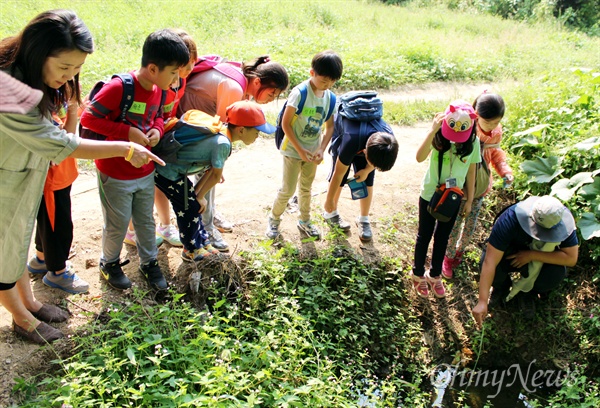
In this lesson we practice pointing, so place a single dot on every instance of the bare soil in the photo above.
(252, 177)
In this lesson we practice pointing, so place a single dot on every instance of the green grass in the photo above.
(382, 46)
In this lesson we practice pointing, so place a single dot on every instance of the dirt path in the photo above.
(253, 175)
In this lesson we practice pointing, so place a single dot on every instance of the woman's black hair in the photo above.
(47, 35)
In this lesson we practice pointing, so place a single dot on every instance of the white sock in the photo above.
(363, 218)
(328, 215)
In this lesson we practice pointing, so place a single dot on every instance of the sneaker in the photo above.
(211, 249)
(131, 239)
(217, 241)
(114, 275)
(221, 223)
(337, 221)
(67, 281)
(527, 305)
(194, 256)
(273, 228)
(364, 231)
(153, 275)
(36, 267)
(170, 234)
(437, 285)
(420, 285)
(309, 229)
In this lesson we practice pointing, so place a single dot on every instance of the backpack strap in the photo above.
(127, 98)
(303, 95)
(163, 98)
(440, 162)
(230, 70)
(332, 102)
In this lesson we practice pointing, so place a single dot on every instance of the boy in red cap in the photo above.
(206, 157)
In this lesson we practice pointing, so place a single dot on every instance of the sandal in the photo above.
(51, 314)
(420, 286)
(41, 334)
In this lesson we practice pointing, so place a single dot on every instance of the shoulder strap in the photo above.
(440, 162)
(332, 102)
(127, 98)
(163, 97)
(303, 95)
(229, 69)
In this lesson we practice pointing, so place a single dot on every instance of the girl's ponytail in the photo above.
(270, 73)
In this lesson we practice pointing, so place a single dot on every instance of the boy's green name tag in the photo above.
(309, 111)
(138, 107)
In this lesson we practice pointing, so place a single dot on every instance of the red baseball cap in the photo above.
(248, 114)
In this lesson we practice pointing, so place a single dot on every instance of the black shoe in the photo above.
(114, 275)
(153, 275)
(527, 305)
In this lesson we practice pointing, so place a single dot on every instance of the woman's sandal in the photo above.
(42, 334)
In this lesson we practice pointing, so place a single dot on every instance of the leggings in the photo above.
(429, 228)
(55, 243)
(189, 221)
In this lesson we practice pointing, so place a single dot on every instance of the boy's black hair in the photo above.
(441, 144)
(163, 48)
(382, 150)
(489, 106)
(328, 64)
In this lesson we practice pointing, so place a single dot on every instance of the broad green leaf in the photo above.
(528, 140)
(579, 100)
(566, 188)
(561, 190)
(589, 226)
(536, 130)
(587, 144)
(131, 355)
(220, 303)
(591, 192)
(542, 170)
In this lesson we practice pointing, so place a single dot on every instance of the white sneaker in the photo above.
(217, 241)
(170, 234)
(221, 223)
(272, 228)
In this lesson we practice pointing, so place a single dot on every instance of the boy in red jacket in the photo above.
(127, 192)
